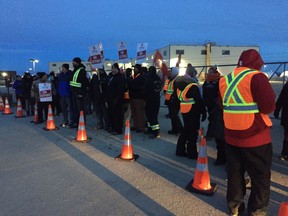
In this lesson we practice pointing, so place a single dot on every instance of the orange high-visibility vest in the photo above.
(170, 90)
(166, 85)
(126, 95)
(185, 103)
(239, 108)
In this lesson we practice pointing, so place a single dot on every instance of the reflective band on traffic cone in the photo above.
(7, 110)
(19, 112)
(35, 120)
(1, 104)
(81, 133)
(50, 124)
(201, 182)
(127, 150)
(283, 210)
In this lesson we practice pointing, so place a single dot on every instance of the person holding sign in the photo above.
(42, 90)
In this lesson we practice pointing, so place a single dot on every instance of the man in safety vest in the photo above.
(78, 86)
(247, 99)
(192, 108)
(172, 102)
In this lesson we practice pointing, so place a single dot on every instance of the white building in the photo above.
(200, 56)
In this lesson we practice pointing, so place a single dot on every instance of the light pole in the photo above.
(34, 61)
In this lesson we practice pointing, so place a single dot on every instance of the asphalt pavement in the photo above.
(45, 173)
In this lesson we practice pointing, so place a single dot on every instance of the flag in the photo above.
(179, 60)
(158, 60)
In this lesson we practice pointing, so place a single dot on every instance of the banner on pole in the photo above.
(122, 52)
(45, 92)
(96, 55)
(141, 52)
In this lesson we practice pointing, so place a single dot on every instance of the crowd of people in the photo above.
(236, 104)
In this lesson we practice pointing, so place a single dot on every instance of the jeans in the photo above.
(65, 103)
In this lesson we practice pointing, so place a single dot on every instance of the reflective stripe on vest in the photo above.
(170, 90)
(74, 82)
(185, 103)
(240, 105)
(166, 85)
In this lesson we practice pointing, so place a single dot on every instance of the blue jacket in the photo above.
(64, 83)
(17, 87)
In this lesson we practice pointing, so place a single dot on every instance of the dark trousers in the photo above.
(284, 151)
(28, 106)
(56, 105)
(152, 109)
(116, 116)
(42, 107)
(257, 162)
(138, 113)
(65, 102)
(220, 146)
(173, 109)
(102, 117)
(77, 105)
(189, 135)
(210, 128)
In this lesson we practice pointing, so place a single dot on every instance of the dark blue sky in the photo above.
(58, 30)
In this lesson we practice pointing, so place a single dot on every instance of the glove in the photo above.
(204, 116)
(276, 115)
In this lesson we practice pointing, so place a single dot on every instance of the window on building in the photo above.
(54, 65)
(225, 52)
(179, 52)
(203, 52)
(165, 53)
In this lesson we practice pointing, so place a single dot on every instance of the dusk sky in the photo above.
(58, 30)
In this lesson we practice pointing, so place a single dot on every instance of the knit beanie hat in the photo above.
(116, 66)
(41, 74)
(66, 66)
(77, 60)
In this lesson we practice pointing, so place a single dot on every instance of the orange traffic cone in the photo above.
(35, 120)
(200, 136)
(201, 182)
(19, 112)
(201, 132)
(7, 110)
(283, 210)
(1, 104)
(50, 124)
(127, 151)
(81, 133)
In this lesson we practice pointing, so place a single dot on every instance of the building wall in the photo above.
(56, 66)
(194, 54)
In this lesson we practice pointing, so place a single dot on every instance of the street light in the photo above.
(34, 61)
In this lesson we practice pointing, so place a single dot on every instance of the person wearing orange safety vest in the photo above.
(191, 108)
(247, 99)
(173, 103)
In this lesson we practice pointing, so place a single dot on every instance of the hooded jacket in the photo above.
(259, 133)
